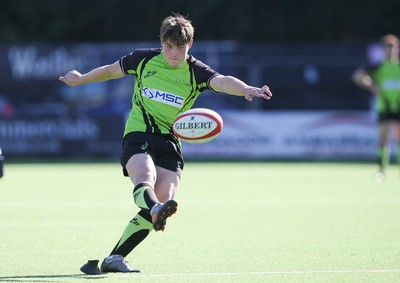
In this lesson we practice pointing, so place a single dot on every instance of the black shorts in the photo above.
(163, 149)
(389, 116)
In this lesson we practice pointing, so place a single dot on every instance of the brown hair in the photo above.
(177, 29)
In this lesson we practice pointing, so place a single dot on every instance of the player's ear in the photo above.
(190, 43)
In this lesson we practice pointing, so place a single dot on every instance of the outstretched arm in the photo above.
(234, 86)
(361, 78)
(100, 74)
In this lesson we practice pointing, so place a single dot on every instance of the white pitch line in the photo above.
(294, 272)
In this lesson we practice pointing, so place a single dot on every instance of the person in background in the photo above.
(168, 81)
(1, 163)
(383, 80)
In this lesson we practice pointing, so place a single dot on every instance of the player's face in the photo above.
(175, 55)
(391, 51)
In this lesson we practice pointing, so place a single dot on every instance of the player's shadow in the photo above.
(47, 278)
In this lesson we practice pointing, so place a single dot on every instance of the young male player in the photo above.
(168, 81)
(383, 80)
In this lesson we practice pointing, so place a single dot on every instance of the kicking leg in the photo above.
(165, 189)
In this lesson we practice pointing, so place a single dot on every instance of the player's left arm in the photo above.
(234, 86)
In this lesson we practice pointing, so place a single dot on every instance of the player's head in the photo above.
(391, 44)
(176, 29)
(176, 35)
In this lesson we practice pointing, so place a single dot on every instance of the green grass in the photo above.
(239, 222)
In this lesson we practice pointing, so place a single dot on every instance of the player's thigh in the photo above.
(141, 169)
(167, 184)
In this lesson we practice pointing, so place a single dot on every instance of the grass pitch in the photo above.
(238, 222)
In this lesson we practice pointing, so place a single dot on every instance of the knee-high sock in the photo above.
(144, 196)
(398, 154)
(135, 232)
(383, 157)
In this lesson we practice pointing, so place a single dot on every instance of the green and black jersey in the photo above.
(387, 78)
(162, 92)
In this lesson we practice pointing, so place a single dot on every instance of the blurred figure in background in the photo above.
(383, 80)
(1, 163)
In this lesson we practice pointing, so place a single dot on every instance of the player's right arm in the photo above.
(363, 79)
(100, 74)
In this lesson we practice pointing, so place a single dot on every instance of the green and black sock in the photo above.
(135, 232)
(144, 196)
(398, 154)
(383, 157)
(141, 225)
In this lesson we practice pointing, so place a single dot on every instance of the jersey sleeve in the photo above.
(130, 63)
(203, 74)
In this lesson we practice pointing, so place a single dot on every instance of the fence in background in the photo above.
(316, 111)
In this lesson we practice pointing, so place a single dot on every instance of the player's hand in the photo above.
(72, 78)
(263, 92)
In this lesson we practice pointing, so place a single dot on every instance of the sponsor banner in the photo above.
(291, 135)
(61, 137)
(246, 135)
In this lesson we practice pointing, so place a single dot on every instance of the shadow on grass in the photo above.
(47, 278)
